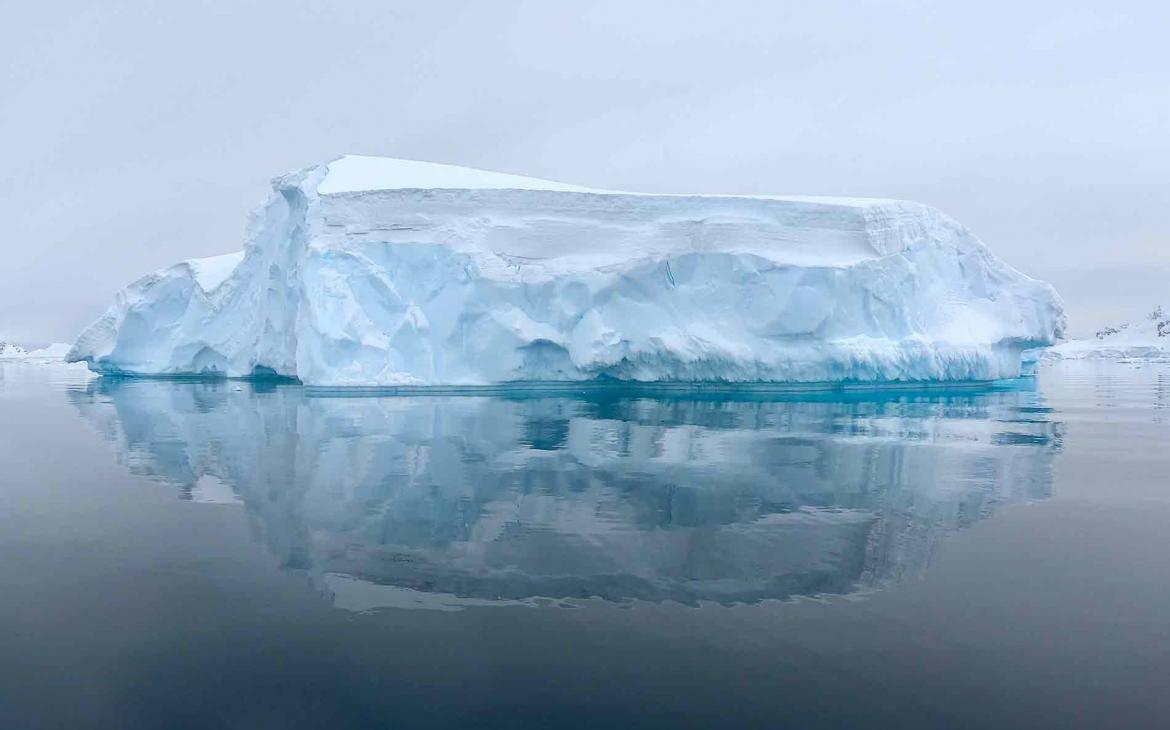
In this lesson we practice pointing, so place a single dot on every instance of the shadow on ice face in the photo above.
(448, 501)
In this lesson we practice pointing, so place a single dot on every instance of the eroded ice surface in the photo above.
(378, 272)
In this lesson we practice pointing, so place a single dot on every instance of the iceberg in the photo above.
(379, 272)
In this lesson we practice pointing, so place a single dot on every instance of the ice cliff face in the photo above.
(379, 272)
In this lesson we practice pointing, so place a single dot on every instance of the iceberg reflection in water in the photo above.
(442, 501)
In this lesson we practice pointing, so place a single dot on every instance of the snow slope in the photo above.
(1145, 338)
(11, 351)
(378, 272)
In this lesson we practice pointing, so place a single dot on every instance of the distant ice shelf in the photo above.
(1143, 338)
(379, 272)
(11, 351)
(55, 352)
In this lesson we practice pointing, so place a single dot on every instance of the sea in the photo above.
(229, 554)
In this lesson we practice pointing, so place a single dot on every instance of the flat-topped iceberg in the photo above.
(380, 272)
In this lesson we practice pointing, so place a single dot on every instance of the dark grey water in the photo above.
(231, 555)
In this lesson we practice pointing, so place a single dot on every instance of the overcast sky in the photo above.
(138, 134)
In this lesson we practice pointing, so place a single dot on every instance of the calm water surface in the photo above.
(231, 555)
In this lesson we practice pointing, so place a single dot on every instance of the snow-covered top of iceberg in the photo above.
(357, 173)
(523, 228)
(362, 173)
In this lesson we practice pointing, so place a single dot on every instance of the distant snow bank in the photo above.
(11, 351)
(1144, 338)
(54, 352)
(379, 272)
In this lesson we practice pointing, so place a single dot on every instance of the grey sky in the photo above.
(137, 134)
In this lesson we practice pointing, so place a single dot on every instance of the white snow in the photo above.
(1144, 338)
(376, 272)
(355, 173)
(11, 351)
(213, 271)
(54, 352)
(362, 173)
